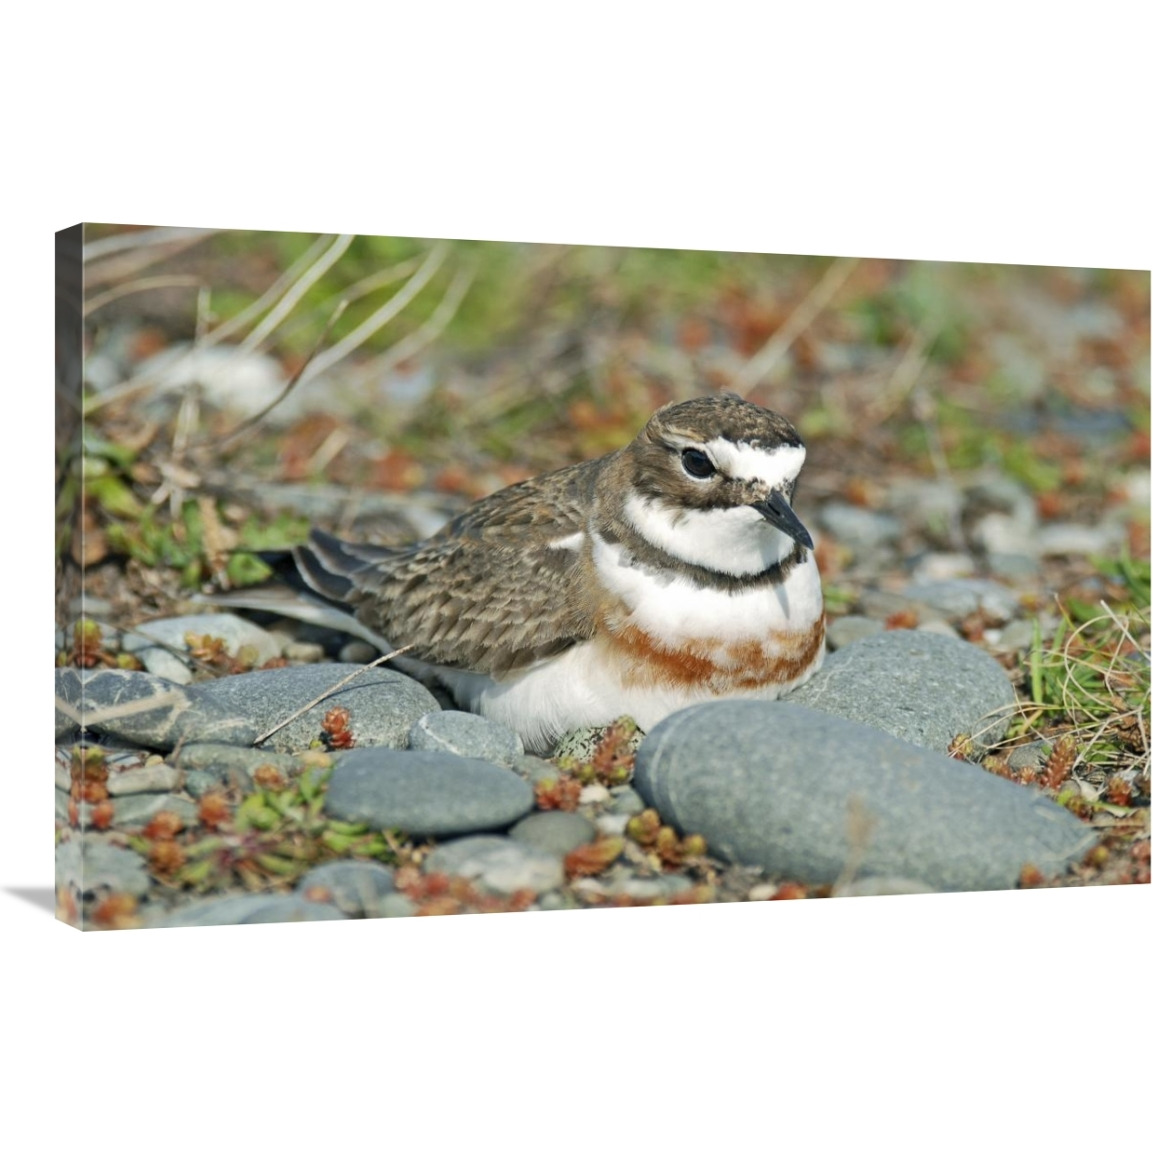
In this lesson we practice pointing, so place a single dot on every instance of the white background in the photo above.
(993, 132)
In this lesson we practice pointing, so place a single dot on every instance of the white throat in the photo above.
(735, 541)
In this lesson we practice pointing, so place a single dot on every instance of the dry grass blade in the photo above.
(386, 312)
(762, 362)
(329, 692)
(431, 329)
(144, 284)
(118, 257)
(293, 296)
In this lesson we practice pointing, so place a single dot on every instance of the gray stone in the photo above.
(626, 801)
(198, 784)
(843, 631)
(534, 769)
(425, 794)
(383, 704)
(139, 808)
(1014, 637)
(939, 566)
(929, 506)
(358, 652)
(91, 869)
(466, 735)
(253, 909)
(1034, 755)
(397, 905)
(498, 864)
(555, 832)
(860, 527)
(819, 799)
(958, 599)
(1013, 566)
(881, 604)
(171, 631)
(941, 628)
(354, 887)
(159, 778)
(1080, 539)
(917, 686)
(144, 710)
(229, 765)
(882, 887)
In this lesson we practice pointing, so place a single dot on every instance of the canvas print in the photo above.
(406, 577)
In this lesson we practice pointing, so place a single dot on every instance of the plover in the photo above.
(670, 572)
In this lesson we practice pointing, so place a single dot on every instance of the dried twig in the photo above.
(329, 692)
(762, 362)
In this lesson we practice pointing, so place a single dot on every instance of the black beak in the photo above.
(777, 512)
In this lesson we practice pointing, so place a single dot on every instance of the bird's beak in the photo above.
(776, 510)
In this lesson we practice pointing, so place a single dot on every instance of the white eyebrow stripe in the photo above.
(775, 466)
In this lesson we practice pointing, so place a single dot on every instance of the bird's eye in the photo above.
(697, 463)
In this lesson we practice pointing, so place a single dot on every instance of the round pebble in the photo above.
(234, 631)
(918, 686)
(382, 703)
(816, 798)
(466, 735)
(91, 869)
(425, 794)
(557, 833)
(356, 888)
(254, 909)
(144, 710)
(498, 864)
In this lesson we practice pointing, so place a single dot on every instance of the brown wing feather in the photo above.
(441, 596)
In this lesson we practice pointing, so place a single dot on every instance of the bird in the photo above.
(669, 572)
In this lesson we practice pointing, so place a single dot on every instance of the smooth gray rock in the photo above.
(843, 631)
(626, 801)
(498, 864)
(171, 631)
(397, 905)
(139, 808)
(383, 703)
(91, 868)
(1061, 539)
(425, 794)
(534, 769)
(1016, 636)
(819, 799)
(158, 778)
(356, 888)
(557, 833)
(860, 527)
(466, 735)
(253, 909)
(1034, 755)
(145, 710)
(959, 598)
(916, 685)
(230, 765)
